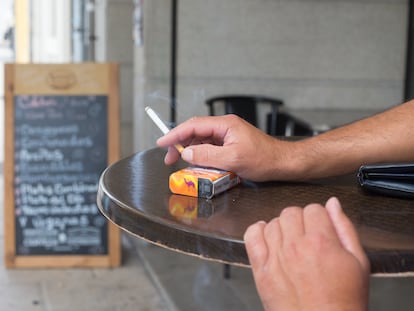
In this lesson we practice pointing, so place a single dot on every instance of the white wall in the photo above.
(50, 31)
(6, 56)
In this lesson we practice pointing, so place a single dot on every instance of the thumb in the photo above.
(205, 155)
(346, 231)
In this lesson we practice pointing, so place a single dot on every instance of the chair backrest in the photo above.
(288, 125)
(245, 106)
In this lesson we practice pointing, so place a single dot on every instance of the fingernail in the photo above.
(334, 202)
(187, 154)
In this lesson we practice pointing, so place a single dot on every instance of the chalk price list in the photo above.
(60, 152)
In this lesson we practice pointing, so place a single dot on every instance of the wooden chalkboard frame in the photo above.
(71, 79)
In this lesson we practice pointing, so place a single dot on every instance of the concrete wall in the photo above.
(343, 54)
(115, 44)
(152, 72)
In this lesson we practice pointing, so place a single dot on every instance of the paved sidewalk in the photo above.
(127, 288)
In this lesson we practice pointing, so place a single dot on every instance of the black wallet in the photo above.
(392, 179)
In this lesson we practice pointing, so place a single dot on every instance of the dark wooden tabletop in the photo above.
(133, 193)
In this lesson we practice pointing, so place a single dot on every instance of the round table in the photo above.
(133, 193)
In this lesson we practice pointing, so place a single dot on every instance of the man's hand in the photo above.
(230, 143)
(309, 259)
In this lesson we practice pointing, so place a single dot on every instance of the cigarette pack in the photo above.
(202, 182)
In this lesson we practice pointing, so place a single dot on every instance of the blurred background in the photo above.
(313, 55)
(330, 62)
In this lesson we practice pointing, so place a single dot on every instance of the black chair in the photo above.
(246, 107)
(288, 125)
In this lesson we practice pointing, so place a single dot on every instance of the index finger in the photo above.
(214, 128)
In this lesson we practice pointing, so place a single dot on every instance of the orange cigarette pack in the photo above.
(202, 182)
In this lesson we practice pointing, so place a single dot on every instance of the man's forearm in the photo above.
(385, 137)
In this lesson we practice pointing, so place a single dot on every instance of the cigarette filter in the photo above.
(202, 182)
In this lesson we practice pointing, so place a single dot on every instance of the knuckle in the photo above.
(314, 207)
(194, 119)
(291, 211)
(318, 241)
(291, 250)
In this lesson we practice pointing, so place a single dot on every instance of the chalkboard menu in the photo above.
(57, 168)
(59, 143)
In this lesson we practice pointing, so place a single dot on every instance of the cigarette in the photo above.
(161, 125)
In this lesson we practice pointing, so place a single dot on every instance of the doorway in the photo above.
(6, 56)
